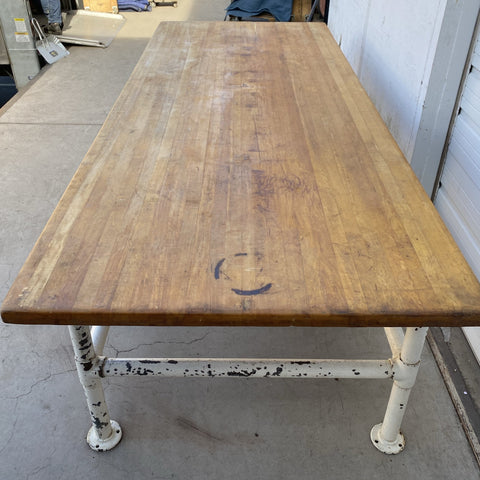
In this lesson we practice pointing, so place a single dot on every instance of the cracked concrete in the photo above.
(186, 428)
(139, 347)
(38, 382)
(180, 428)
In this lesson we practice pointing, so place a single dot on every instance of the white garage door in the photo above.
(458, 197)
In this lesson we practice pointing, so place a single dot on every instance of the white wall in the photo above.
(391, 46)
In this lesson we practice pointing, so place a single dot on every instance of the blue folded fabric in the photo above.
(280, 9)
(134, 5)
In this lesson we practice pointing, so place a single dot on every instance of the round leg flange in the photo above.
(383, 445)
(101, 445)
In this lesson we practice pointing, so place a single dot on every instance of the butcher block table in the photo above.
(244, 178)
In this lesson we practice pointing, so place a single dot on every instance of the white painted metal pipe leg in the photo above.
(104, 433)
(395, 339)
(99, 337)
(387, 436)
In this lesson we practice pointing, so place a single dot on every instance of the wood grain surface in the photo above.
(109, 6)
(243, 177)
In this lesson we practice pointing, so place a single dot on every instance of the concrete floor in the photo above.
(180, 428)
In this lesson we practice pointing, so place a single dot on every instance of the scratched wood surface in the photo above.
(243, 177)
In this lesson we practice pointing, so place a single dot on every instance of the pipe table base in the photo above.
(401, 367)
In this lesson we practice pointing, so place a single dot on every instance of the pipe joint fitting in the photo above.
(404, 374)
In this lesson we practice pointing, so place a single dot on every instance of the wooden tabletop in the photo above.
(243, 177)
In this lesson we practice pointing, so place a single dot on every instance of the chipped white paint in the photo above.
(104, 433)
(402, 368)
(254, 367)
(387, 436)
